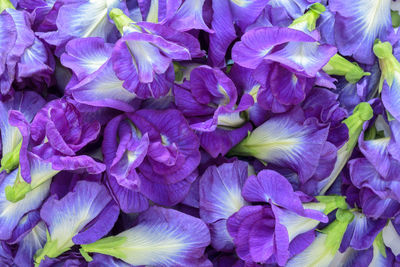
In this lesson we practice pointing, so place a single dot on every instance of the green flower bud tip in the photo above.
(18, 190)
(332, 202)
(112, 245)
(120, 19)
(362, 112)
(336, 229)
(318, 8)
(85, 255)
(339, 65)
(389, 65)
(395, 18)
(10, 160)
(309, 19)
(378, 243)
(383, 50)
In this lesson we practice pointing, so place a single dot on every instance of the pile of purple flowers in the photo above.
(199, 133)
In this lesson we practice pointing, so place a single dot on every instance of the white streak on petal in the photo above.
(391, 238)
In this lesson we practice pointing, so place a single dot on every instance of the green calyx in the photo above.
(378, 242)
(332, 202)
(178, 69)
(120, 19)
(85, 255)
(112, 245)
(336, 229)
(395, 19)
(309, 19)
(338, 65)
(388, 63)
(10, 161)
(361, 113)
(4, 4)
(18, 190)
(50, 250)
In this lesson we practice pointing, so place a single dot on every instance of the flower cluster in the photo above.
(199, 133)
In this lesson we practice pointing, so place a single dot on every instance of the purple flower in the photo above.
(271, 233)
(160, 237)
(51, 144)
(156, 158)
(82, 216)
(220, 196)
(142, 58)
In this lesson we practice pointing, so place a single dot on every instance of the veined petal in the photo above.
(11, 212)
(189, 16)
(103, 88)
(8, 36)
(296, 224)
(268, 186)
(285, 142)
(361, 232)
(256, 44)
(294, 8)
(306, 58)
(315, 255)
(352, 257)
(85, 55)
(358, 24)
(224, 32)
(245, 12)
(220, 191)
(31, 243)
(28, 103)
(376, 151)
(68, 216)
(161, 237)
(391, 96)
(87, 18)
(391, 238)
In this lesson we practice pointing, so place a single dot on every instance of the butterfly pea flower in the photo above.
(28, 104)
(208, 100)
(361, 232)
(323, 249)
(30, 234)
(261, 232)
(142, 58)
(390, 70)
(124, 148)
(81, 19)
(13, 212)
(361, 113)
(358, 24)
(28, 60)
(220, 196)
(54, 137)
(160, 237)
(150, 154)
(94, 81)
(284, 140)
(67, 219)
(175, 14)
(226, 13)
(294, 8)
